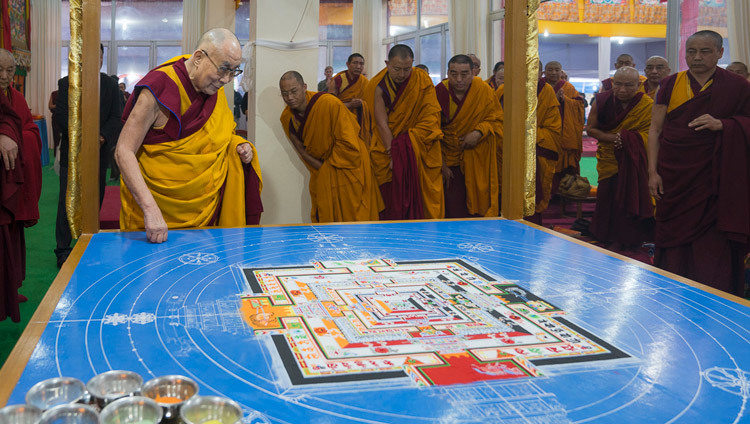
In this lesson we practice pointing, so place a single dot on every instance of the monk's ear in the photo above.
(304, 87)
(386, 62)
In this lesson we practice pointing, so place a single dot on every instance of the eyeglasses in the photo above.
(223, 70)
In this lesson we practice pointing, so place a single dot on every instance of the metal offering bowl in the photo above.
(170, 391)
(213, 409)
(55, 391)
(134, 409)
(70, 414)
(112, 385)
(20, 414)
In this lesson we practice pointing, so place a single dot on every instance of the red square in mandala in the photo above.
(463, 368)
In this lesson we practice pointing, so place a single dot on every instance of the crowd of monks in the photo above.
(408, 150)
(673, 153)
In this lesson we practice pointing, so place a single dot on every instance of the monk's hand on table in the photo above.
(156, 227)
(706, 122)
(246, 152)
(8, 152)
(470, 140)
(655, 185)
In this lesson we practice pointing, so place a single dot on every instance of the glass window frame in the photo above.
(497, 49)
(442, 29)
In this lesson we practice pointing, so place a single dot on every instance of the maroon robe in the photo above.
(32, 164)
(180, 125)
(12, 245)
(703, 218)
(623, 209)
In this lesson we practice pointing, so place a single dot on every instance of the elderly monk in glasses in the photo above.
(182, 164)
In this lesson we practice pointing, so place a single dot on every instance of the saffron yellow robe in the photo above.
(499, 94)
(643, 88)
(479, 110)
(639, 120)
(417, 113)
(571, 141)
(344, 187)
(192, 176)
(548, 132)
(349, 90)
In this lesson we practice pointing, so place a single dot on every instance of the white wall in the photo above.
(286, 199)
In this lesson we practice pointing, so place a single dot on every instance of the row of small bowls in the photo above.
(122, 398)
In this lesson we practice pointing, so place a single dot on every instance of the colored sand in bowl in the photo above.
(212, 422)
(167, 399)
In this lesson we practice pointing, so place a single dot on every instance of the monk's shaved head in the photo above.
(292, 75)
(624, 60)
(216, 38)
(6, 58)
(738, 68)
(553, 63)
(657, 59)
(714, 36)
(553, 72)
(627, 73)
(401, 51)
(7, 69)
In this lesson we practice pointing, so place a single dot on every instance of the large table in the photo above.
(419, 322)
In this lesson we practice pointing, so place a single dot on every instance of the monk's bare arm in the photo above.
(381, 120)
(144, 115)
(593, 130)
(658, 114)
(300, 148)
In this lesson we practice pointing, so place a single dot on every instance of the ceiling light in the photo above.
(165, 20)
(546, 33)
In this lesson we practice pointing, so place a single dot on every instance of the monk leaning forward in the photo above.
(326, 136)
(699, 168)
(405, 147)
(620, 120)
(181, 163)
(472, 124)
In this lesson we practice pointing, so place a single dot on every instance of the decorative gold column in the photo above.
(82, 196)
(521, 74)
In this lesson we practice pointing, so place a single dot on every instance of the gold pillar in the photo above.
(519, 144)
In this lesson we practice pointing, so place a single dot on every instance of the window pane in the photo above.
(242, 21)
(497, 41)
(430, 55)
(402, 16)
(106, 20)
(448, 51)
(104, 60)
(335, 20)
(64, 62)
(132, 64)
(340, 54)
(164, 53)
(145, 20)
(497, 4)
(434, 12)
(409, 42)
(322, 63)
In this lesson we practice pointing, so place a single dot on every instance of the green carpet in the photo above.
(588, 170)
(41, 263)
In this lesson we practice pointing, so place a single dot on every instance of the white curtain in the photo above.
(738, 17)
(468, 22)
(45, 58)
(368, 30)
(193, 23)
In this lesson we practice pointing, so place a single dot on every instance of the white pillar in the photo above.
(286, 199)
(605, 47)
(220, 14)
(368, 31)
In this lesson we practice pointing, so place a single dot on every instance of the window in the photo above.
(423, 26)
(334, 35)
(143, 34)
(497, 22)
